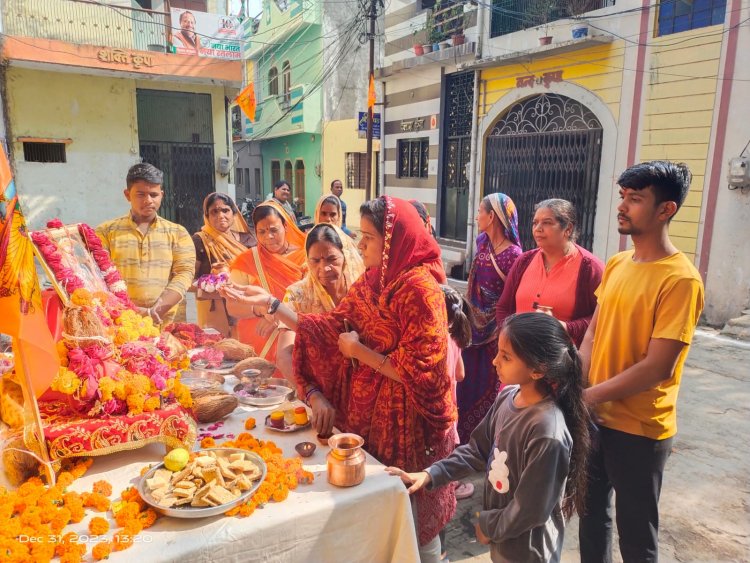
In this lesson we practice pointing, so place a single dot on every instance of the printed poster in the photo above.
(206, 35)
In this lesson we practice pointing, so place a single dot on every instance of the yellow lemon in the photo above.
(177, 459)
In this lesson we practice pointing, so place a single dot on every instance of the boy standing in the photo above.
(155, 257)
(649, 302)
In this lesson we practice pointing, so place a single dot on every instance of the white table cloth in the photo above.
(371, 522)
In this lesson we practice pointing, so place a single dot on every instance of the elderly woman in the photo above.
(376, 364)
(275, 264)
(224, 236)
(559, 277)
(332, 268)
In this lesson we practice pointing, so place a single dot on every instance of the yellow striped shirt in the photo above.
(163, 258)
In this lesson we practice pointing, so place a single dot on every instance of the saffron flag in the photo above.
(21, 312)
(246, 101)
(371, 93)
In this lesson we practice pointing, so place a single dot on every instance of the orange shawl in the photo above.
(278, 271)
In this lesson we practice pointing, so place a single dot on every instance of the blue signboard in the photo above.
(362, 124)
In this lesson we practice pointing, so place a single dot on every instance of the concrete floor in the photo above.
(706, 492)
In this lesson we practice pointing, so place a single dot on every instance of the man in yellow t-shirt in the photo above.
(155, 257)
(649, 302)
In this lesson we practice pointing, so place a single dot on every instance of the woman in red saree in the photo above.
(277, 262)
(376, 364)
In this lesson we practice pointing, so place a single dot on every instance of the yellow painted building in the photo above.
(343, 153)
(564, 119)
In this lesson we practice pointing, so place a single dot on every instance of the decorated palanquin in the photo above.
(118, 386)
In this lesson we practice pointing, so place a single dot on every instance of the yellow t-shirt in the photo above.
(637, 302)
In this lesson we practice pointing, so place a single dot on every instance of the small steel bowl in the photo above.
(305, 449)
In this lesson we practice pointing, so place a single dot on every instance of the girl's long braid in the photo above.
(544, 345)
(568, 394)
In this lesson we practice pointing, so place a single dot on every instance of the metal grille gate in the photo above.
(176, 136)
(459, 91)
(544, 147)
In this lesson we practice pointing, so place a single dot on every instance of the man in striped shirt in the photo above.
(155, 257)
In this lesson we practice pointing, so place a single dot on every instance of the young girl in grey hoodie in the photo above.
(532, 445)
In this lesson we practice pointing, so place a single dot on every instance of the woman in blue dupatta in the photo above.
(498, 246)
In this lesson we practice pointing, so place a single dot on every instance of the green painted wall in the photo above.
(304, 147)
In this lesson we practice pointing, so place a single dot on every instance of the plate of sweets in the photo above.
(288, 419)
(262, 394)
(204, 483)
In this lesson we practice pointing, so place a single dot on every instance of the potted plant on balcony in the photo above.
(434, 33)
(418, 48)
(540, 12)
(458, 20)
(575, 8)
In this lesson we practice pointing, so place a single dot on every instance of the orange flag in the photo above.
(21, 311)
(371, 92)
(246, 101)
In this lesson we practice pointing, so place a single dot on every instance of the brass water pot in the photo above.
(346, 460)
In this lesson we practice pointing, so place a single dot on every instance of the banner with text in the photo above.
(206, 35)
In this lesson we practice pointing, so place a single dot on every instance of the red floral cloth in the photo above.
(70, 434)
(408, 424)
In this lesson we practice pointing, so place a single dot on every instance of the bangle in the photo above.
(385, 359)
(310, 394)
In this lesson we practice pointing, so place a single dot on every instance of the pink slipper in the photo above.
(464, 490)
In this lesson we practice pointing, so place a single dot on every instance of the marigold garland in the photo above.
(42, 512)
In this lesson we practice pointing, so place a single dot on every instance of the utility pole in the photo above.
(372, 16)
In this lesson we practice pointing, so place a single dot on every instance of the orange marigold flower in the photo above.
(133, 527)
(102, 487)
(122, 540)
(101, 551)
(145, 470)
(98, 526)
(249, 423)
(127, 513)
(65, 479)
(60, 519)
(148, 517)
(233, 511)
(98, 502)
(208, 442)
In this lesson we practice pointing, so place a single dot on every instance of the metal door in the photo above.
(454, 189)
(176, 136)
(544, 147)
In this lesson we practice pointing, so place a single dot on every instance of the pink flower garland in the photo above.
(66, 277)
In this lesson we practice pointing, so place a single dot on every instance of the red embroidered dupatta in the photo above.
(397, 309)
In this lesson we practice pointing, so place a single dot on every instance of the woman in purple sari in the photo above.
(498, 246)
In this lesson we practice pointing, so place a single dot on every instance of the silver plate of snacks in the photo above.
(213, 481)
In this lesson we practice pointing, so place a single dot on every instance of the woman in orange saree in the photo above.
(376, 364)
(276, 263)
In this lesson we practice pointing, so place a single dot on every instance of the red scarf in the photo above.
(405, 233)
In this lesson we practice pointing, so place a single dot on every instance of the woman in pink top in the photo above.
(558, 277)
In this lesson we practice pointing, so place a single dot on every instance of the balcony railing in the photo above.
(86, 22)
(514, 15)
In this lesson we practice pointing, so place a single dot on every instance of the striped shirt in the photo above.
(163, 258)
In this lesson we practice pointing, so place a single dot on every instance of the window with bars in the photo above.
(413, 158)
(275, 172)
(273, 81)
(286, 81)
(44, 152)
(683, 15)
(356, 170)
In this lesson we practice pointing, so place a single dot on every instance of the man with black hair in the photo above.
(633, 352)
(337, 188)
(282, 193)
(155, 257)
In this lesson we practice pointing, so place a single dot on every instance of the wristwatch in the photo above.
(273, 304)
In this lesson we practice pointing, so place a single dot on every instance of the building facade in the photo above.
(92, 88)
(309, 69)
(563, 119)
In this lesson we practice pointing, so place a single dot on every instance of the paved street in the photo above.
(706, 494)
